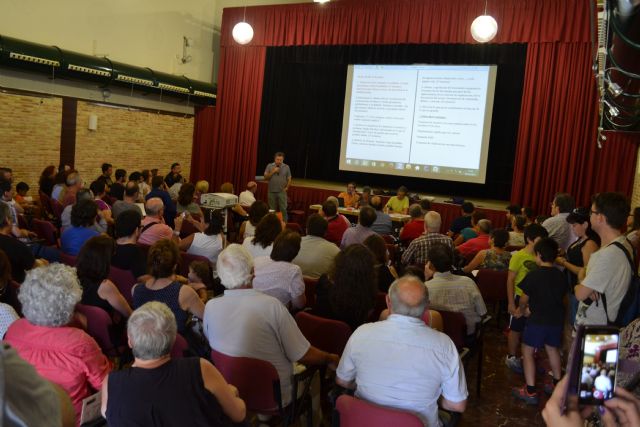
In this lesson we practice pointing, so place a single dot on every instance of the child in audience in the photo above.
(200, 278)
(521, 263)
(541, 301)
(21, 198)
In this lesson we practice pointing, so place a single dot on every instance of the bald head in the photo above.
(376, 202)
(432, 222)
(408, 296)
(154, 207)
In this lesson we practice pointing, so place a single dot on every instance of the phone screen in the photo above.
(599, 367)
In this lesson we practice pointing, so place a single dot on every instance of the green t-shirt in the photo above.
(397, 205)
(522, 262)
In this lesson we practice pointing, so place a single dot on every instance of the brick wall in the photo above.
(635, 198)
(131, 140)
(29, 136)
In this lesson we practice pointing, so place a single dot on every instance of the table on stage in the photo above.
(353, 214)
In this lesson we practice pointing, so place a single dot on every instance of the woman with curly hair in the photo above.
(47, 179)
(267, 230)
(186, 201)
(62, 354)
(348, 293)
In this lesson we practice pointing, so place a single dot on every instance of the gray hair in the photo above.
(485, 226)
(84, 194)
(152, 330)
(415, 210)
(399, 306)
(432, 221)
(334, 200)
(49, 295)
(153, 206)
(73, 178)
(235, 266)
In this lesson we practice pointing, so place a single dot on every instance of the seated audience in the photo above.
(360, 232)
(248, 228)
(74, 183)
(64, 355)
(92, 267)
(208, 243)
(145, 183)
(164, 287)
(47, 180)
(316, 255)
(59, 186)
(159, 190)
(529, 214)
(337, 223)
(248, 196)
(267, 230)
(83, 217)
(350, 196)
(202, 187)
(21, 198)
(129, 200)
(99, 190)
(8, 292)
(348, 292)
(471, 247)
(633, 228)
(452, 292)
(512, 211)
(470, 232)
(158, 390)
(386, 274)
(427, 364)
(100, 225)
(414, 228)
(383, 223)
(237, 209)
(277, 276)
(516, 235)
(186, 201)
(248, 323)
(6, 199)
(365, 197)
(20, 258)
(557, 226)
(116, 190)
(153, 225)
(200, 278)
(417, 252)
(128, 255)
(174, 176)
(494, 258)
(400, 202)
(463, 221)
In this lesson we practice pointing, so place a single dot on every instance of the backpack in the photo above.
(630, 306)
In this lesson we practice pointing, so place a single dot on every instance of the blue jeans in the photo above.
(278, 202)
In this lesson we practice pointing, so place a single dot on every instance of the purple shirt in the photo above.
(357, 234)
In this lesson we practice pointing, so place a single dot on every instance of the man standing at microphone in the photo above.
(279, 176)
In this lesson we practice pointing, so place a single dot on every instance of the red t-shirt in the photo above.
(337, 226)
(471, 247)
(412, 230)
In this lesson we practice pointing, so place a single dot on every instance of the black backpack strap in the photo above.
(148, 226)
(632, 264)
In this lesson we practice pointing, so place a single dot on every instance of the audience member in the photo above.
(136, 177)
(19, 255)
(471, 247)
(174, 176)
(237, 209)
(418, 250)
(267, 230)
(521, 263)
(202, 187)
(248, 323)
(608, 273)
(116, 190)
(145, 183)
(350, 196)
(383, 223)
(6, 174)
(400, 202)
(278, 276)
(452, 292)
(128, 255)
(316, 255)
(248, 196)
(360, 232)
(99, 190)
(93, 265)
(529, 214)
(470, 232)
(107, 171)
(516, 235)
(414, 228)
(8, 315)
(633, 228)
(578, 253)
(159, 190)
(158, 390)
(257, 211)
(337, 223)
(201, 279)
(47, 180)
(208, 243)
(348, 292)
(22, 199)
(83, 217)
(494, 258)
(8, 292)
(186, 201)
(64, 355)
(99, 225)
(153, 225)
(541, 301)
(557, 226)
(365, 197)
(164, 287)
(512, 211)
(435, 371)
(386, 273)
(463, 221)
(129, 200)
(59, 186)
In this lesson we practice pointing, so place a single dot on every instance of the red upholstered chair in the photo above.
(310, 290)
(388, 239)
(294, 226)
(45, 230)
(45, 203)
(124, 281)
(325, 334)
(393, 253)
(57, 208)
(179, 347)
(186, 259)
(67, 259)
(493, 288)
(99, 326)
(356, 413)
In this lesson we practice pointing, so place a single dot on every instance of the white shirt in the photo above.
(206, 246)
(603, 383)
(246, 198)
(560, 230)
(248, 323)
(316, 256)
(256, 250)
(280, 279)
(459, 294)
(402, 363)
(249, 230)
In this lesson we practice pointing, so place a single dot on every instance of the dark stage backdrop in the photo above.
(303, 102)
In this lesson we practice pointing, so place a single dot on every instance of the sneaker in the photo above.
(515, 364)
(522, 394)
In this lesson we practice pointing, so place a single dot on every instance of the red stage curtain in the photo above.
(202, 149)
(614, 165)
